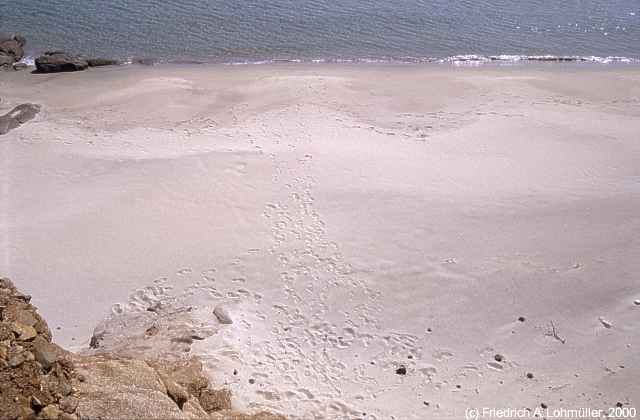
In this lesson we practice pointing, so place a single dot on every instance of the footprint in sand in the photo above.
(442, 355)
(209, 274)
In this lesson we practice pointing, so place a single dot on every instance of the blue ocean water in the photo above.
(255, 30)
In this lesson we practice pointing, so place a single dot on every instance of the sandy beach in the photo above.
(389, 241)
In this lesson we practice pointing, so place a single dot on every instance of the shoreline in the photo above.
(456, 60)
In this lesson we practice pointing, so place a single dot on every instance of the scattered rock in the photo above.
(636, 302)
(222, 314)
(498, 358)
(13, 119)
(59, 61)
(530, 375)
(401, 370)
(543, 405)
(521, 319)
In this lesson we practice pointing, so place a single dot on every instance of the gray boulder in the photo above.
(60, 61)
(12, 46)
(11, 50)
(18, 116)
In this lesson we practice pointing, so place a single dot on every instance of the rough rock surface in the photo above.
(99, 62)
(60, 61)
(18, 116)
(28, 388)
(40, 380)
(11, 50)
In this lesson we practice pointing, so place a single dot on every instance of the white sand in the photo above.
(353, 220)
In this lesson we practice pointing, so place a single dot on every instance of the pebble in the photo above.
(401, 370)
(636, 302)
(530, 375)
(498, 357)
(222, 314)
(605, 323)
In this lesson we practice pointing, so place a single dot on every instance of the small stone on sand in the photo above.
(401, 370)
(636, 302)
(605, 323)
(222, 314)
(498, 357)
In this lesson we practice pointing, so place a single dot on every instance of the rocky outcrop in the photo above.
(40, 380)
(18, 116)
(35, 374)
(60, 61)
(11, 50)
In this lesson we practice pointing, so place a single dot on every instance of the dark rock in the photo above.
(100, 62)
(96, 338)
(59, 61)
(401, 370)
(530, 375)
(13, 119)
(498, 357)
(36, 404)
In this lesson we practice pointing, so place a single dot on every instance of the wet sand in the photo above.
(404, 241)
